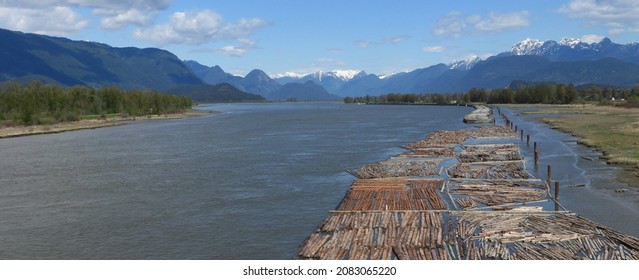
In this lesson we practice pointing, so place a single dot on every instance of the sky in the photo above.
(279, 36)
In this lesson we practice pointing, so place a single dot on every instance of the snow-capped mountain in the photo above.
(332, 81)
(526, 47)
(344, 75)
(465, 64)
(573, 49)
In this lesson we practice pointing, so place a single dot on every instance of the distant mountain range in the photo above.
(534, 61)
(260, 83)
(27, 57)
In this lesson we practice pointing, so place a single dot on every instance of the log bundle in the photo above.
(394, 194)
(402, 168)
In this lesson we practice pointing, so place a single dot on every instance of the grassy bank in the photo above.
(89, 122)
(612, 130)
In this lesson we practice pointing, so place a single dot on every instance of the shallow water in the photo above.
(574, 165)
(249, 183)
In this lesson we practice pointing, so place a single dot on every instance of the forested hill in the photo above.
(25, 57)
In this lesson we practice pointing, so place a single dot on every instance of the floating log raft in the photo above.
(497, 192)
(434, 152)
(481, 114)
(442, 138)
(479, 153)
(426, 235)
(393, 194)
(400, 168)
(392, 212)
(489, 170)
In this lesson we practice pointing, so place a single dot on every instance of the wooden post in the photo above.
(557, 190)
(535, 149)
(516, 129)
(522, 135)
(536, 160)
(549, 173)
(511, 125)
(528, 140)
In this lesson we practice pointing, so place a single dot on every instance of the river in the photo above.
(251, 182)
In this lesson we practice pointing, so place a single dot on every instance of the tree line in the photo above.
(37, 103)
(530, 94)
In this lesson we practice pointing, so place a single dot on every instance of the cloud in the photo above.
(232, 51)
(199, 27)
(52, 21)
(435, 49)
(115, 14)
(618, 15)
(456, 24)
(497, 22)
(363, 43)
(592, 38)
(450, 25)
(130, 17)
(395, 39)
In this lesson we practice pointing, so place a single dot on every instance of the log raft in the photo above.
(405, 209)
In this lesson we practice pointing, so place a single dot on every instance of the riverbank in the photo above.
(19, 131)
(613, 131)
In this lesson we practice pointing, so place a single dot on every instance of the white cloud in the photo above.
(450, 25)
(115, 14)
(363, 43)
(52, 21)
(456, 24)
(435, 49)
(130, 17)
(196, 28)
(619, 15)
(592, 38)
(232, 51)
(394, 39)
(498, 22)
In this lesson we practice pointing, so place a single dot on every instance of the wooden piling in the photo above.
(536, 159)
(557, 190)
(549, 173)
(522, 135)
(528, 140)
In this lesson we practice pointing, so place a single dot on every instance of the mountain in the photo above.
(332, 81)
(306, 91)
(222, 92)
(571, 49)
(26, 57)
(212, 75)
(258, 82)
(466, 64)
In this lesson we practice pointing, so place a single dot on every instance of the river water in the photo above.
(251, 182)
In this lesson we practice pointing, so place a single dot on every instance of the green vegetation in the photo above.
(524, 94)
(612, 130)
(37, 103)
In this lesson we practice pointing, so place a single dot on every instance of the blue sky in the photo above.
(280, 36)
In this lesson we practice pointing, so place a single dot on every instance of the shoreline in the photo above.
(598, 128)
(22, 131)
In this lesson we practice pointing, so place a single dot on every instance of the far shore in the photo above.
(19, 131)
(614, 131)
